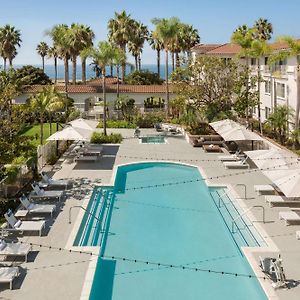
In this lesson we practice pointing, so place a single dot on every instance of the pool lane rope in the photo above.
(131, 260)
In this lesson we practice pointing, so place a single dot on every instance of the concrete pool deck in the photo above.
(53, 274)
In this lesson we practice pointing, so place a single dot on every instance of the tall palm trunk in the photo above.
(123, 47)
(43, 63)
(118, 84)
(298, 98)
(173, 62)
(104, 100)
(158, 62)
(177, 60)
(136, 62)
(140, 62)
(111, 70)
(42, 130)
(66, 65)
(55, 69)
(10, 61)
(74, 61)
(4, 63)
(167, 83)
(258, 91)
(83, 70)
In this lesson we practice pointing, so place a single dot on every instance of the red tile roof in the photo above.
(203, 48)
(226, 49)
(110, 88)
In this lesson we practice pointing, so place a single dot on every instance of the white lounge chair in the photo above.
(88, 158)
(290, 217)
(57, 183)
(14, 249)
(274, 200)
(236, 164)
(233, 157)
(34, 208)
(8, 274)
(264, 188)
(23, 226)
(39, 193)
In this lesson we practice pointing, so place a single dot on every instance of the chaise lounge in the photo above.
(49, 182)
(290, 217)
(242, 164)
(14, 249)
(23, 226)
(274, 200)
(8, 274)
(39, 193)
(34, 208)
(264, 188)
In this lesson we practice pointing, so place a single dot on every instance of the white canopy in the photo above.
(223, 125)
(240, 133)
(288, 181)
(272, 158)
(84, 124)
(70, 133)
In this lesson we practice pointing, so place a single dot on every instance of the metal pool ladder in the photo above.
(245, 212)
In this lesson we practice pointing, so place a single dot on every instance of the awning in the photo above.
(70, 133)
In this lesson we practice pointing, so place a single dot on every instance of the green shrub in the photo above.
(31, 75)
(11, 171)
(100, 138)
(143, 77)
(148, 120)
(154, 102)
(117, 124)
(52, 159)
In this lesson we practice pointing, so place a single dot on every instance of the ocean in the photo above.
(49, 70)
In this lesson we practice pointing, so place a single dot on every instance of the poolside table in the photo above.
(212, 148)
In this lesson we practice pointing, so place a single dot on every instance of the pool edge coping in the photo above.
(248, 251)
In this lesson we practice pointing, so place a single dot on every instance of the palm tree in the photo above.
(119, 59)
(103, 56)
(136, 43)
(292, 51)
(156, 45)
(263, 29)
(44, 102)
(95, 67)
(166, 30)
(189, 38)
(120, 32)
(42, 50)
(10, 39)
(61, 40)
(53, 53)
(243, 36)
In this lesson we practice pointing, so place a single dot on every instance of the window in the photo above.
(267, 112)
(266, 60)
(253, 61)
(267, 87)
(280, 90)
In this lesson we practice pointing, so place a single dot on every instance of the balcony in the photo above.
(280, 69)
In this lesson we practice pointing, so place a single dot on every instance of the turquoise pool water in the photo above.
(157, 139)
(144, 218)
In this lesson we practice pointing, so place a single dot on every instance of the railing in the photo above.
(78, 206)
(275, 68)
(245, 212)
(231, 189)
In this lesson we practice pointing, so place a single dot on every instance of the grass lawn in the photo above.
(35, 131)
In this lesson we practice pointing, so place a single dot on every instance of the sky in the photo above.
(215, 19)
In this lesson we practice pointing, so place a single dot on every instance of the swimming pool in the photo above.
(145, 218)
(155, 139)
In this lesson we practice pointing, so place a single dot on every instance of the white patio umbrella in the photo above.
(288, 181)
(70, 133)
(272, 158)
(84, 124)
(240, 133)
(223, 125)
